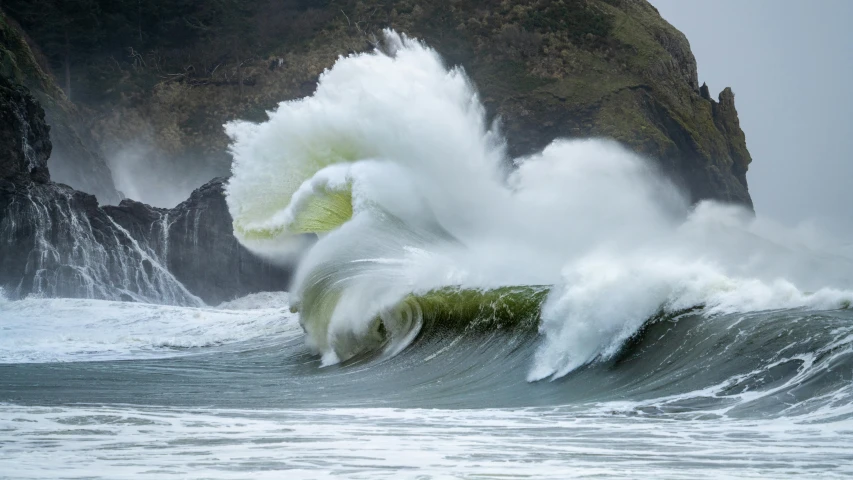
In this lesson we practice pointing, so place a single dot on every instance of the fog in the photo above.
(789, 63)
(143, 172)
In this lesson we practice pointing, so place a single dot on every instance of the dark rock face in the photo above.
(56, 241)
(25, 134)
(636, 83)
(195, 242)
(75, 158)
(205, 255)
(726, 119)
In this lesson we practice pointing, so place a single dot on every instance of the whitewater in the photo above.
(393, 163)
(455, 313)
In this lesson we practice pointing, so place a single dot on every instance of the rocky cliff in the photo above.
(548, 68)
(75, 157)
(25, 136)
(57, 241)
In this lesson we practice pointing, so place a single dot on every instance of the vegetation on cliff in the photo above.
(174, 72)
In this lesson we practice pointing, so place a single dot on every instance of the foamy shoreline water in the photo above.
(41, 330)
(128, 442)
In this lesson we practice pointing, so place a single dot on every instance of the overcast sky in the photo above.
(790, 64)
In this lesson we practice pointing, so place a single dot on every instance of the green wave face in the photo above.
(457, 309)
(440, 312)
(318, 210)
(325, 212)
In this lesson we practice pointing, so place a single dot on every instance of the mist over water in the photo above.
(392, 163)
(143, 172)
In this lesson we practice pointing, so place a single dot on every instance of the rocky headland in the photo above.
(546, 68)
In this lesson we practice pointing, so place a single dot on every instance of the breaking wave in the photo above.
(425, 225)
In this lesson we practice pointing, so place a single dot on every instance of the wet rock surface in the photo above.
(57, 241)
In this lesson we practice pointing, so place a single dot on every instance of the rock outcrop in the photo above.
(195, 243)
(57, 241)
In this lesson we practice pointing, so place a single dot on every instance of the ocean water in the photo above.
(766, 394)
(455, 313)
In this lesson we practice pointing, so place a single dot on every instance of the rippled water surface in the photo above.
(758, 395)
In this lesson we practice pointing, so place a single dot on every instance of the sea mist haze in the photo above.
(788, 63)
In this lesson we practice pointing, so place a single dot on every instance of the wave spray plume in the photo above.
(423, 219)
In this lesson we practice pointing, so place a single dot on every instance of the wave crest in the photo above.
(393, 165)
